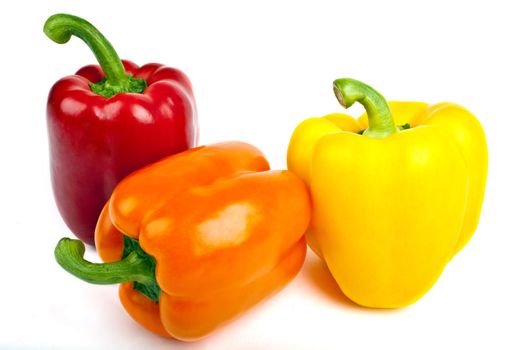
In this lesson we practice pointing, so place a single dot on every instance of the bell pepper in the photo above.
(106, 121)
(395, 194)
(197, 238)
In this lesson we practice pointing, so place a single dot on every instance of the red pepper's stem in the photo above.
(61, 27)
(69, 254)
(380, 120)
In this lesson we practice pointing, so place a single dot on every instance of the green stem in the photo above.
(69, 254)
(61, 27)
(380, 121)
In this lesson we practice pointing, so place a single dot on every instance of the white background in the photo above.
(258, 69)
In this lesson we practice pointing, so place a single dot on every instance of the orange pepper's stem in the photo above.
(69, 254)
(380, 120)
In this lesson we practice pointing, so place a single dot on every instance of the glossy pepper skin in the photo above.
(108, 120)
(221, 232)
(395, 194)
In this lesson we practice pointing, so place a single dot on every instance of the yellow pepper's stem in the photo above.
(380, 121)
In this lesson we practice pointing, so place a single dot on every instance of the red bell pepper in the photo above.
(106, 121)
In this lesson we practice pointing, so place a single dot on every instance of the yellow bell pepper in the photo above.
(395, 193)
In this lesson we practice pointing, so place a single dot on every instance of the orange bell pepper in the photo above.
(197, 238)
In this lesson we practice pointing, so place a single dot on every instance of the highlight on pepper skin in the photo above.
(197, 238)
(395, 194)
